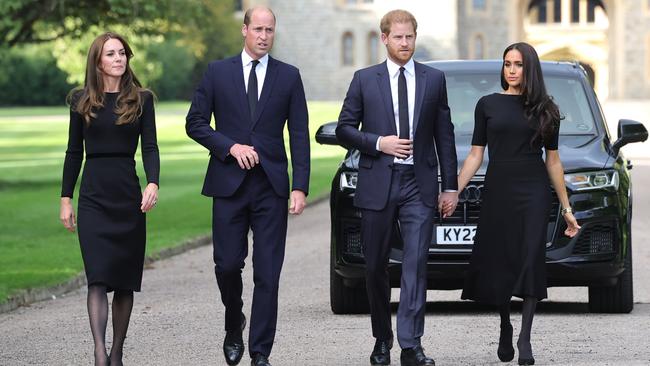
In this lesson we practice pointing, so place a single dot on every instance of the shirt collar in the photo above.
(246, 59)
(393, 68)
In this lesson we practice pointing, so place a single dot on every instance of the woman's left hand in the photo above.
(149, 197)
(572, 225)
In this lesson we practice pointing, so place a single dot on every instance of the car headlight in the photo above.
(348, 180)
(586, 181)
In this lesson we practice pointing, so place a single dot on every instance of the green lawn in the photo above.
(35, 249)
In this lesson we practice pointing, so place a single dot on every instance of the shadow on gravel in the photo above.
(470, 307)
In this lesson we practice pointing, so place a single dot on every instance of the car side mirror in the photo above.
(326, 134)
(629, 131)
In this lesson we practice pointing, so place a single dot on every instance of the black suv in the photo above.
(597, 177)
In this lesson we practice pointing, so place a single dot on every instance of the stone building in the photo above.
(330, 39)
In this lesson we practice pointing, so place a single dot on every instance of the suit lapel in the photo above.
(267, 88)
(420, 91)
(383, 79)
(240, 88)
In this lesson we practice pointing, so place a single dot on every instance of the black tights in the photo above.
(527, 314)
(98, 315)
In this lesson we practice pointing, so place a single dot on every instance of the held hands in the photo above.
(447, 202)
(149, 197)
(393, 145)
(67, 216)
(298, 202)
(246, 156)
(572, 225)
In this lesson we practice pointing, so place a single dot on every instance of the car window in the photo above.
(464, 90)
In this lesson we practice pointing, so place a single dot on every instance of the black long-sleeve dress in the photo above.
(509, 252)
(111, 226)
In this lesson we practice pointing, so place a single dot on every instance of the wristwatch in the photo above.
(565, 210)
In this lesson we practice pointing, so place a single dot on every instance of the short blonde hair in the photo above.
(397, 16)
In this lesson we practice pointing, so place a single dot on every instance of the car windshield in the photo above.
(464, 90)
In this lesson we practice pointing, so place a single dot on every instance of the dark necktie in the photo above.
(403, 105)
(252, 89)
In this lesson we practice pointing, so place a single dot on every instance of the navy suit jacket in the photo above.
(369, 103)
(222, 93)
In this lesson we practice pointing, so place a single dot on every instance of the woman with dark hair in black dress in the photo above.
(107, 118)
(509, 247)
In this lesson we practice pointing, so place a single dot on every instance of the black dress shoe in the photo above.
(259, 360)
(415, 357)
(233, 344)
(506, 352)
(525, 353)
(381, 353)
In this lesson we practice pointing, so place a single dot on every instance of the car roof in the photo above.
(556, 68)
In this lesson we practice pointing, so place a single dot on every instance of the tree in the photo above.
(37, 21)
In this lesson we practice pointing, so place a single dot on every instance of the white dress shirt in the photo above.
(260, 70)
(393, 75)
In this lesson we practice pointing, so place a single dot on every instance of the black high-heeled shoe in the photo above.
(525, 353)
(506, 352)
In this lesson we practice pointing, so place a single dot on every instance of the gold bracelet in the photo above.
(566, 210)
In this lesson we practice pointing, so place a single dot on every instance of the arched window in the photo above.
(348, 49)
(373, 48)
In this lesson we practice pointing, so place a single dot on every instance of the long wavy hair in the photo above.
(89, 98)
(539, 107)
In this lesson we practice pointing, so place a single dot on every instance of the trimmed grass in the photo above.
(35, 249)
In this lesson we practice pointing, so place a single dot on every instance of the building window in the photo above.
(348, 49)
(373, 48)
(478, 47)
(479, 5)
(557, 11)
(575, 11)
(541, 12)
(550, 11)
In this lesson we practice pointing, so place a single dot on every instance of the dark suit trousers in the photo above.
(254, 205)
(416, 227)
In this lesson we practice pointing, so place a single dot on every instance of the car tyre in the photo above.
(618, 298)
(345, 299)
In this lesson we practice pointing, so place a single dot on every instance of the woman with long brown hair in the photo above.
(107, 118)
(509, 255)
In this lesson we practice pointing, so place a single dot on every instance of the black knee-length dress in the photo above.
(110, 224)
(509, 252)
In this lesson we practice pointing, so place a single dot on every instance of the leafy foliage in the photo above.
(173, 40)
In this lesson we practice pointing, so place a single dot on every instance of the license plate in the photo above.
(446, 234)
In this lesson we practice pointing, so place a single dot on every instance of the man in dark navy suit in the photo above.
(406, 134)
(251, 96)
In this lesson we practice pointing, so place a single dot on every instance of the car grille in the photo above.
(596, 239)
(469, 206)
(351, 232)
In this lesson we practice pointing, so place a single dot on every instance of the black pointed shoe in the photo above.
(233, 344)
(506, 352)
(259, 359)
(381, 353)
(415, 357)
(525, 353)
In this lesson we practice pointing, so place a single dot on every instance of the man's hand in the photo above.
(393, 145)
(246, 156)
(447, 202)
(298, 202)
